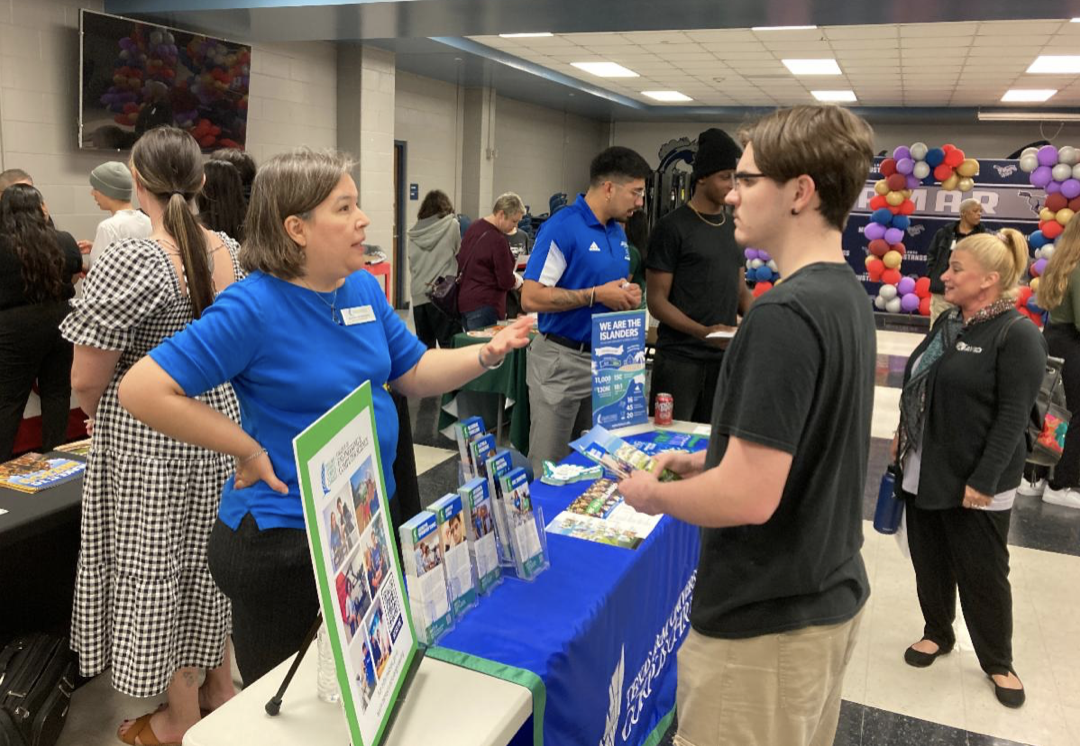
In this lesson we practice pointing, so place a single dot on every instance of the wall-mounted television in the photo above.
(137, 75)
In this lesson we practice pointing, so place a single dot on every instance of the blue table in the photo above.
(594, 637)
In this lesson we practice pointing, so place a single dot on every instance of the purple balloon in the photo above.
(751, 253)
(905, 286)
(1042, 176)
(1039, 267)
(1047, 155)
(874, 231)
(913, 182)
(894, 236)
(1053, 187)
(905, 166)
(910, 302)
(1070, 188)
(901, 152)
(764, 255)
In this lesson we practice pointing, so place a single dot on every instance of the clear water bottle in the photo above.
(327, 674)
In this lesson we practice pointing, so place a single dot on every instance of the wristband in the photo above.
(485, 366)
(251, 457)
(592, 296)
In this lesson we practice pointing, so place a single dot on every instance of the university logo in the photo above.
(1004, 171)
(915, 230)
(325, 480)
(611, 727)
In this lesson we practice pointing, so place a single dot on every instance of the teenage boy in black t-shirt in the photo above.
(696, 283)
(781, 581)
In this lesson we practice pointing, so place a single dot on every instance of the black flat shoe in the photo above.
(1009, 697)
(919, 659)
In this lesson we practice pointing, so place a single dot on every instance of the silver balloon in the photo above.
(1069, 155)
(918, 151)
(1076, 171)
(1047, 251)
(1029, 151)
(893, 306)
(921, 170)
(888, 292)
(1029, 163)
(879, 303)
(1061, 171)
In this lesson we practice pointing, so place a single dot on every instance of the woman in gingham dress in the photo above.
(145, 603)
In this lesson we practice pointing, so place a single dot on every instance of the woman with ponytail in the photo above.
(1059, 293)
(145, 603)
(967, 398)
(36, 267)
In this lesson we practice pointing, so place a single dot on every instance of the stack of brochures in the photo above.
(425, 576)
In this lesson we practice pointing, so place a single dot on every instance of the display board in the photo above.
(618, 369)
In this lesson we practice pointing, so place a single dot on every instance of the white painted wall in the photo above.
(541, 151)
(428, 117)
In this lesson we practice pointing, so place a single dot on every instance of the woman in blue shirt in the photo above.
(304, 329)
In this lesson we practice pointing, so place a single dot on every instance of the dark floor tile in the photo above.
(849, 731)
(437, 481)
(883, 728)
(424, 414)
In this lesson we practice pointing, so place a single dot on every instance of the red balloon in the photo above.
(894, 209)
(761, 288)
(954, 157)
(906, 207)
(874, 271)
(948, 147)
(878, 201)
(922, 287)
(896, 182)
(887, 167)
(1051, 229)
(899, 247)
(1074, 204)
(1023, 296)
(943, 172)
(1055, 202)
(879, 247)
(890, 276)
(924, 306)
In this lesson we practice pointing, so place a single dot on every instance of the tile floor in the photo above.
(886, 702)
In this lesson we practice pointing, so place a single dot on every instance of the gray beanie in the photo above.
(113, 179)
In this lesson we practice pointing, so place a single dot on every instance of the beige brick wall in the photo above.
(428, 117)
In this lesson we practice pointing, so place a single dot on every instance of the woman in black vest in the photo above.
(36, 267)
(968, 393)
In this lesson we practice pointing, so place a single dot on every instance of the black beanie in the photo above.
(716, 151)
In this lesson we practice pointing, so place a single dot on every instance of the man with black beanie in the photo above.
(696, 283)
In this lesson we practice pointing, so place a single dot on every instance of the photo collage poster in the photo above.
(361, 589)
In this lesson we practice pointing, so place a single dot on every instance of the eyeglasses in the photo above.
(746, 177)
(638, 193)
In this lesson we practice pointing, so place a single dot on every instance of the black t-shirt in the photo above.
(798, 377)
(12, 290)
(704, 262)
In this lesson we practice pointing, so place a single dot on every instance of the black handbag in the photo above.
(37, 677)
(443, 290)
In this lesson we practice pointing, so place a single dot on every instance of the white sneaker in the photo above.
(1031, 489)
(1068, 498)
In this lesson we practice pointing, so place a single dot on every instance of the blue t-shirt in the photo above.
(289, 362)
(573, 250)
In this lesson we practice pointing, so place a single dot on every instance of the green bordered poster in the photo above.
(361, 590)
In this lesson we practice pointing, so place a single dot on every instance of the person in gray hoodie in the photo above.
(433, 246)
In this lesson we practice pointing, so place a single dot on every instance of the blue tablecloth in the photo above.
(594, 636)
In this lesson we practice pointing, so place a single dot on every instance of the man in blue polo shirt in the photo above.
(580, 265)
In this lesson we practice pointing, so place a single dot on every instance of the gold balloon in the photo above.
(950, 184)
(870, 258)
(966, 184)
(970, 167)
(881, 187)
(892, 259)
(1034, 284)
(907, 193)
(894, 198)
(1047, 214)
(1064, 215)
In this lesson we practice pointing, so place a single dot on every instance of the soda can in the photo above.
(662, 411)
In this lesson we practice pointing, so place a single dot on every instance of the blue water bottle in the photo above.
(890, 508)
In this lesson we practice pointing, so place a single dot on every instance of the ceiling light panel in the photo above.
(1029, 95)
(838, 96)
(605, 69)
(1055, 64)
(667, 96)
(527, 35)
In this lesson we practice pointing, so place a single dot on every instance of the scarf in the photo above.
(943, 337)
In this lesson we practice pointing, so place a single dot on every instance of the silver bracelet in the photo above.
(485, 366)
(251, 457)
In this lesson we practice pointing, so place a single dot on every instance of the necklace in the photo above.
(332, 302)
(703, 219)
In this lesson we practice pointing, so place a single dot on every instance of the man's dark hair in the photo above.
(618, 164)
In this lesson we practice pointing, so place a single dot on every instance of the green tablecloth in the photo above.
(508, 380)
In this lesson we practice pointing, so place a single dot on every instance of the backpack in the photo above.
(37, 677)
(1049, 421)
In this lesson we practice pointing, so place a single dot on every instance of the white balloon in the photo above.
(1038, 253)
(1076, 171)
(879, 303)
(893, 306)
(755, 263)
(1029, 163)
(918, 151)
(888, 292)
(1069, 155)
(1047, 251)
(1028, 151)
(921, 170)
(1061, 171)
(772, 265)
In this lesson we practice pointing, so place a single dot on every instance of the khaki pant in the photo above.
(938, 306)
(560, 400)
(774, 690)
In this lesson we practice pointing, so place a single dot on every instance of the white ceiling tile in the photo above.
(784, 47)
(929, 43)
(595, 38)
(804, 34)
(937, 29)
(867, 54)
(681, 56)
(722, 35)
(654, 37)
(1062, 44)
(852, 43)
(882, 31)
(734, 48)
(1018, 28)
(1032, 42)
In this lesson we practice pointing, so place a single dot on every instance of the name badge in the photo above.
(357, 315)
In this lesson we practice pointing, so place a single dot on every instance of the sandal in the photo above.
(141, 730)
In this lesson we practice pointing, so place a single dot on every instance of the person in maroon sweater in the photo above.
(486, 264)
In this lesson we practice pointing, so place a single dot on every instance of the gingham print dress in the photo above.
(144, 599)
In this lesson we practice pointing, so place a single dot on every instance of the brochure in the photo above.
(357, 571)
(449, 511)
(616, 455)
(480, 519)
(464, 432)
(529, 555)
(425, 576)
(76, 447)
(32, 472)
(600, 514)
(497, 466)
